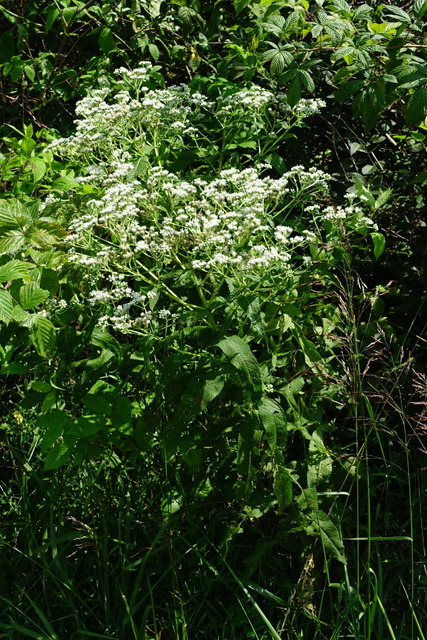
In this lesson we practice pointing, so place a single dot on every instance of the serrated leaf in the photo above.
(383, 198)
(242, 358)
(19, 315)
(13, 270)
(273, 422)
(397, 12)
(416, 108)
(57, 456)
(12, 242)
(42, 334)
(27, 146)
(330, 536)
(306, 80)
(319, 462)
(291, 21)
(6, 306)
(362, 12)
(279, 62)
(378, 241)
(8, 215)
(419, 8)
(343, 52)
(342, 6)
(31, 295)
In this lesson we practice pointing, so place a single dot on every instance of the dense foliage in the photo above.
(211, 319)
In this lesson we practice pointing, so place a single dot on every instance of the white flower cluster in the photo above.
(106, 119)
(142, 223)
(206, 224)
(253, 99)
(303, 109)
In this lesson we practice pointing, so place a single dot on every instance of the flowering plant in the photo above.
(202, 294)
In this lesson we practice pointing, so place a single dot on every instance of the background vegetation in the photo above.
(250, 461)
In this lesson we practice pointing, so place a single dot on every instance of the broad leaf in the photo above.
(330, 536)
(13, 270)
(211, 390)
(243, 359)
(379, 244)
(42, 334)
(31, 295)
(57, 456)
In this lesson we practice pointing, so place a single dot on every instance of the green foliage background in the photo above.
(153, 487)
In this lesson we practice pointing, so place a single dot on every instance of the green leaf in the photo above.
(311, 354)
(13, 270)
(64, 183)
(347, 89)
(154, 51)
(243, 359)
(38, 167)
(282, 487)
(211, 390)
(6, 306)
(106, 40)
(7, 46)
(85, 427)
(419, 8)
(397, 12)
(416, 108)
(30, 72)
(319, 461)
(10, 212)
(40, 386)
(31, 295)
(239, 5)
(306, 80)
(342, 6)
(53, 422)
(294, 92)
(379, 244)
(97, 404)
(330, 536)
(273, 421)
(42, 334)
(51, 16)
(57, 456)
